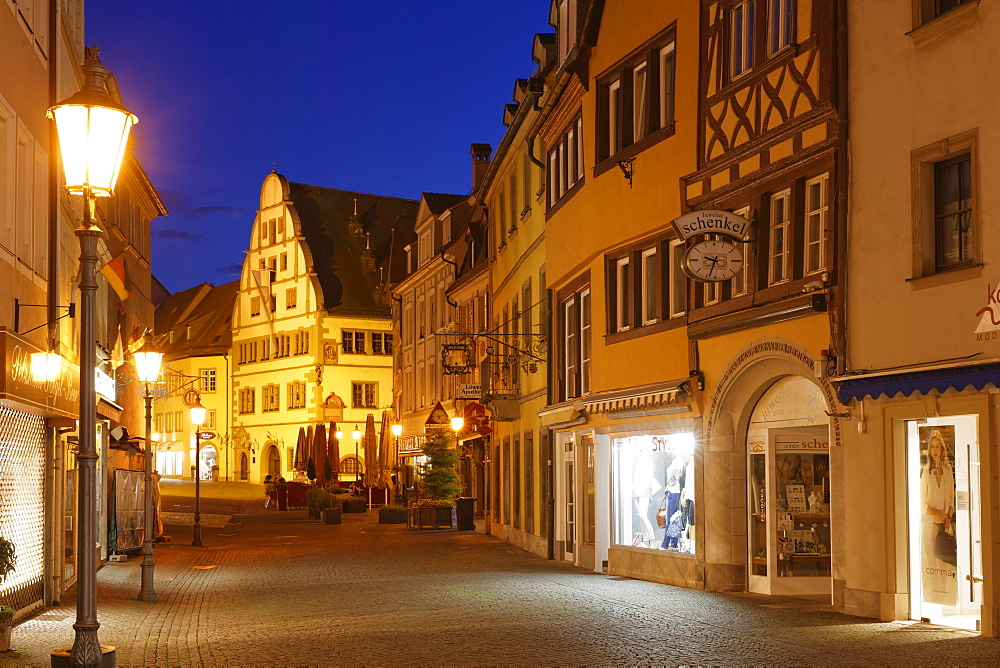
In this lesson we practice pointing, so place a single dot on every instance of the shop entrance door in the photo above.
(944, 518)
(587, 509)
(789, 493)
(570, 543)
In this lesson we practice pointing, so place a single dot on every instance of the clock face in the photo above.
(713, 261)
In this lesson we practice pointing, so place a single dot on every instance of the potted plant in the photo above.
(440, 484)
(8, 559)
(193, 468)
(392, 515)
(355, 504)
(215, 472)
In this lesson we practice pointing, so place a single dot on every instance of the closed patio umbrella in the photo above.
(299, 460)
(370, 455)
(307, 447)
(384, 446)
(319, 447)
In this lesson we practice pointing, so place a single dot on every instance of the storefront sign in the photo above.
(59, 397)
(105, 384)
(470, 391)
(478, 417)
(711, 222)
(989, 315)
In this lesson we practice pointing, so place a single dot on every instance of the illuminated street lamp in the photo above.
(93, 133)
(45, 367)
(397, 430)
(198, 413)
(357, 461)
(147, 362)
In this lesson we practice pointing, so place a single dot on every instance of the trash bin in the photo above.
(466, 510)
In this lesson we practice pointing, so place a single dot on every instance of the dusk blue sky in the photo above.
(378, 96)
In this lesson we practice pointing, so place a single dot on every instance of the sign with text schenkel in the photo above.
(439, 418)
(711, 222)
(61, 397)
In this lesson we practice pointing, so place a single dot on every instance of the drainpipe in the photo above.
(455, 265)
(550, 499)
(839, 333)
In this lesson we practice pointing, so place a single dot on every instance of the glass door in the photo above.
(944, 517)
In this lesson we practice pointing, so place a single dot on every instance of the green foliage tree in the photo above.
(311, 469)
(8, 558)
(440, 483)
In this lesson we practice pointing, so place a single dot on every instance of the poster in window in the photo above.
(937, 504)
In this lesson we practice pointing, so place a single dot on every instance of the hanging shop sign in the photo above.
(478, 417)
(470, 390)
(57, 397)
(725, 223)
(438, 419)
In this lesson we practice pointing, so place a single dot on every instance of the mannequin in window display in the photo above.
(644, 488)
(937, 495)
(675, 481)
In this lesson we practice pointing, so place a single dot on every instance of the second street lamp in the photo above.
(198, 413)
(357, 461)
(147, 367)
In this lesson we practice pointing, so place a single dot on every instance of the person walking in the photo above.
(270, 491)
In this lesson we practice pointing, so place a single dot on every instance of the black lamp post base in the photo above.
(60, 658)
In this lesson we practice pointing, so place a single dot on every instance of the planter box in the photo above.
(387, 516)
(331, 515)
(433, 517)
(356, 505)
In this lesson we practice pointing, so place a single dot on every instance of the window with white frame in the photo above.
(576, 344)
(363, 395)
(814, 234)
(297, 394)
(779, 25)
(353, 342)
(738, 284)
(741, 33)
(623, 294)
(247, 400)
(207, 379)
(650, 286)
(779, 226)
(270, 398)
(565, 162)
(678, 280)
(636, 97)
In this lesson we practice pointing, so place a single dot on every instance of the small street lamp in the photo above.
(93, 134)
(357, 459)
(397, 430)
(198, 413)
(147, 362)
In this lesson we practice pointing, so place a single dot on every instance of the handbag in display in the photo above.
(661, 514)
(946, 546)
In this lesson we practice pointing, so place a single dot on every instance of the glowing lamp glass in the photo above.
(198, 413)
(397, 430)
(339, 434)
(356, 433)
(147, 364)
(92, 139)
(45, 367)
(457, 423)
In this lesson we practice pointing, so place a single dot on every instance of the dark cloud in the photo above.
(175, 200)
(234, 269)
(169, 233)
(205, 211)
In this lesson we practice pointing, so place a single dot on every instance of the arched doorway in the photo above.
(789, 495)
(244, 467)
(273, 459)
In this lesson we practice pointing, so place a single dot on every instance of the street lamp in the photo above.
(198, 413)
(147, 367)
(397, 430)
(357, 461)
(93, 133)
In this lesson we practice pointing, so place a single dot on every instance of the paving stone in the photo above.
(274, 588)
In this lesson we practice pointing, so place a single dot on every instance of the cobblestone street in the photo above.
(277, 588)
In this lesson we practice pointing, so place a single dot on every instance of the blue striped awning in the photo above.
(935, 380)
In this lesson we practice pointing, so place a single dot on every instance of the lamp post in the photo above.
(147, 367)
(93, 133)
(357, 460)
(197, 419)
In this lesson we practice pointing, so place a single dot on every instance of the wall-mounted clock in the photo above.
(713, 261)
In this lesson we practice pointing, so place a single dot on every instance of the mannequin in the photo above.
(675, 478)
(644, 487)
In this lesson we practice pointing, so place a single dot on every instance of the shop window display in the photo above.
(654, 499)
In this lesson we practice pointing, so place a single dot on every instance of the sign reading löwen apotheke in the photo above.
(711, 222)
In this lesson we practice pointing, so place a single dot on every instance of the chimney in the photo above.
(480, 164)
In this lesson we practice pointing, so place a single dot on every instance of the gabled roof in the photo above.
(200, 319)
(350, 253)
(438, 203)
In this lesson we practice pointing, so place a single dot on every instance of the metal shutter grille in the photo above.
(22, 469)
